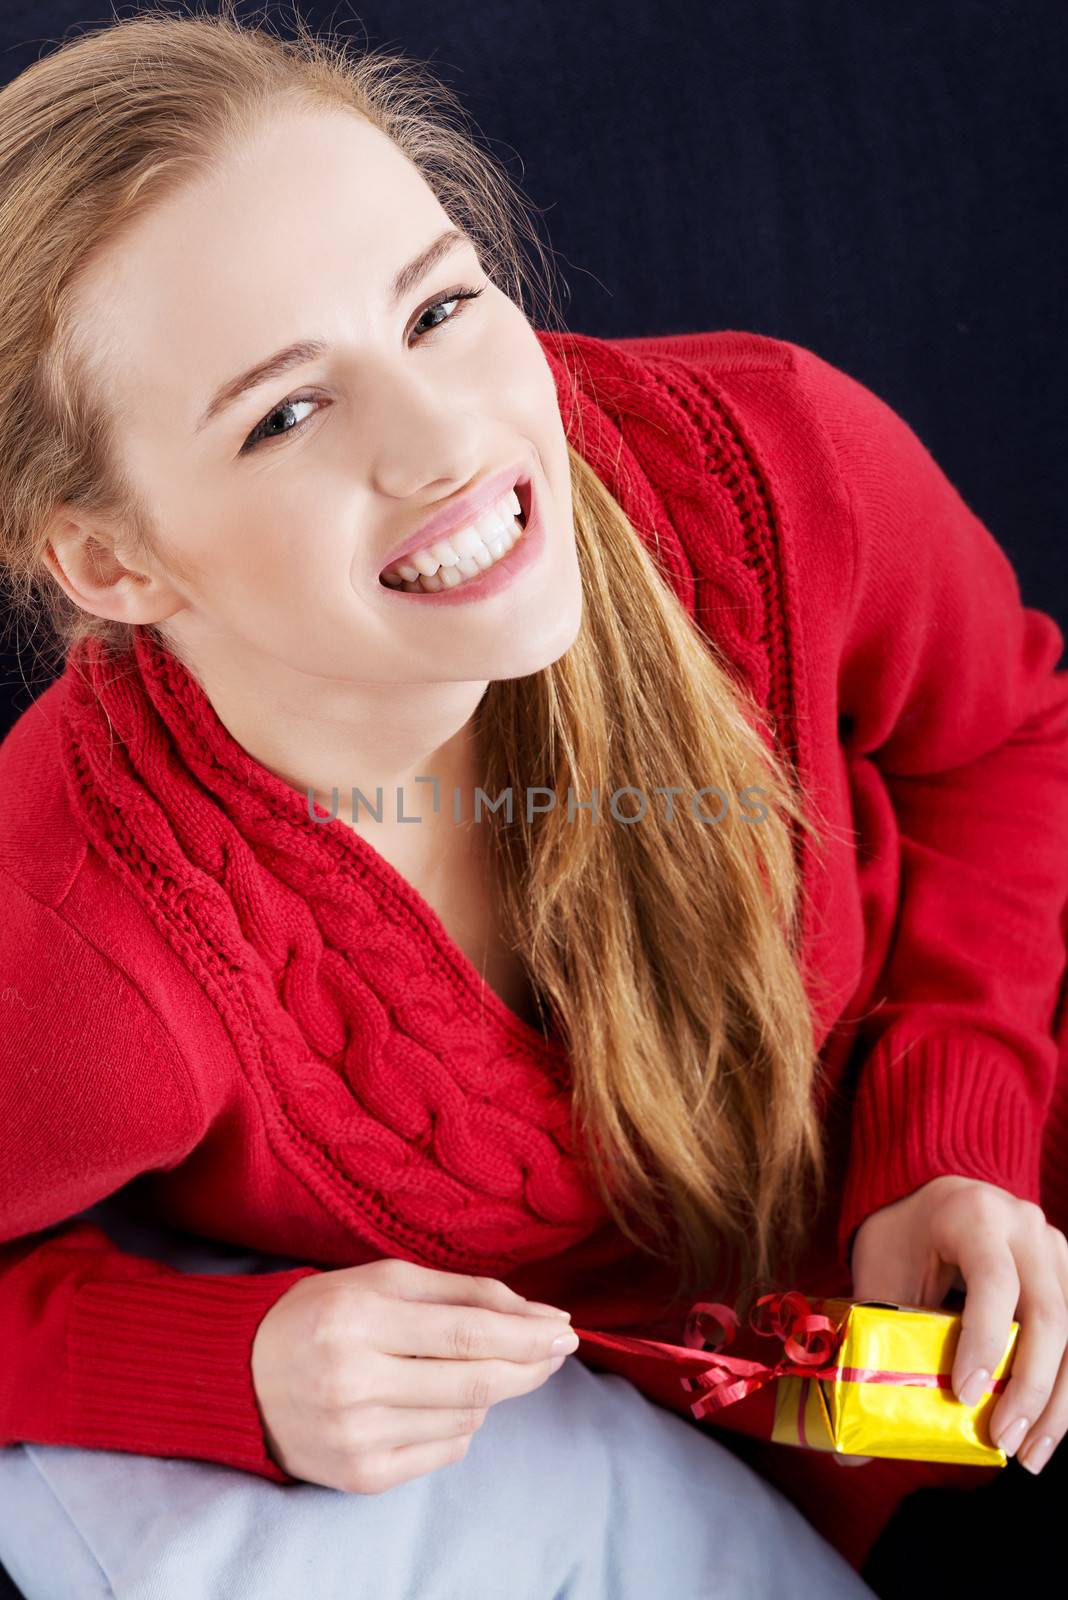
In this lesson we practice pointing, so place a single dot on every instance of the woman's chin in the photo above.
(538, 641)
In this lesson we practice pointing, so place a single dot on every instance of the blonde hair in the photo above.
(668, 951)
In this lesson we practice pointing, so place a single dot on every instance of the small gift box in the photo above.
(861, 1377)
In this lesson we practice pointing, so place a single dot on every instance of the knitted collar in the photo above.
(426, 1116)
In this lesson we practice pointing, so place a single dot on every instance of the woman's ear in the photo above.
(99, 570)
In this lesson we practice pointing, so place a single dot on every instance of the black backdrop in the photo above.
(880, 180)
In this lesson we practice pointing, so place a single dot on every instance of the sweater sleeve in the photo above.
(950, 698)
(98, 1347)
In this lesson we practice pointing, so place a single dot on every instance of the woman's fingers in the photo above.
(464, 1332)
(1051, 1423)
(1043, 1320)
(976, 1237)
(1010, 1270)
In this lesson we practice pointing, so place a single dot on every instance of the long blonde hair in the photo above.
(668, 950)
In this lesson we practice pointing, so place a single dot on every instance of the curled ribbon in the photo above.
(809, 1343)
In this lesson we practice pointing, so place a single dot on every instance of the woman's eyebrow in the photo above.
(307, 349)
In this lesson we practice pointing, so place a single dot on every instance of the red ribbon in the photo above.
(809, 1342)
(801, 1329)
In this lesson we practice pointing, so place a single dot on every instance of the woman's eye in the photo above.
(264, 432)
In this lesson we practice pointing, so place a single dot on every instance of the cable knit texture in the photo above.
(361, 1031)
(257, 1024)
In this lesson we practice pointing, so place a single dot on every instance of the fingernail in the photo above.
(1012, 1438)
(1038, 1455)
(567, 1342)
(549, 1311)
(974, 1386)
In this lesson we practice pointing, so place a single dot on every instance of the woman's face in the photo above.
(281, 507)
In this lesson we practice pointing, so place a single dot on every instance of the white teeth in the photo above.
(463, 554)
(465, 567)
(466, 542)
(493, 524)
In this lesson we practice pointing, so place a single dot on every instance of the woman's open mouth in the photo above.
(466, 555)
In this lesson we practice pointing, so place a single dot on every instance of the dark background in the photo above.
(879, 180)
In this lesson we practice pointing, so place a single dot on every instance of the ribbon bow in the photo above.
(809, 1342)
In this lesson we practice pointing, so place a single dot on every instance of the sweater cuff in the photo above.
(164, 1367)
(931, 1106)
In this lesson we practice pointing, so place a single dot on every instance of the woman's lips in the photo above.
(523, 554)
(507, 482)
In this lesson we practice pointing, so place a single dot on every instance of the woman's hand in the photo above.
(957, 1232)
(342, 1401)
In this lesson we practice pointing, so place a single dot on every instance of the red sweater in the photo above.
(259, 1020)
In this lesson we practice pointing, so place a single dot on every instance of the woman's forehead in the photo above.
(217, 274)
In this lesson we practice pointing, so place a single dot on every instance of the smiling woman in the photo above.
(169, 498)
(450, 1075)
(212, 485)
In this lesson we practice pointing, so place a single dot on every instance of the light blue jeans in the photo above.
(579, 1490)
